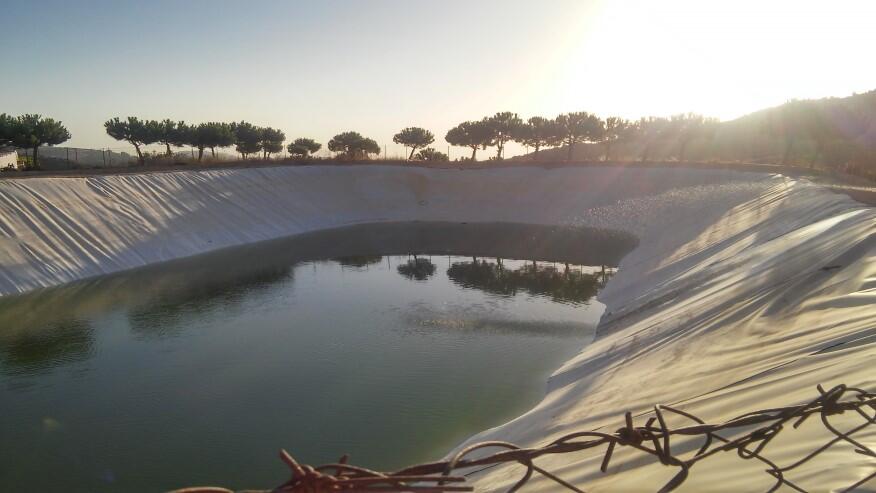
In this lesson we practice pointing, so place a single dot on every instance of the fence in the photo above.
(752, 433)
(74, 157)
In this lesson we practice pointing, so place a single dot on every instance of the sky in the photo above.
(314, 69)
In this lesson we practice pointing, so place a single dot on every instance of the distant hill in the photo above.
(837, 133)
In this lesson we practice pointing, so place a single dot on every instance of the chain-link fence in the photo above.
(747, 435)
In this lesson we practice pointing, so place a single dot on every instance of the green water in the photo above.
(198, 372)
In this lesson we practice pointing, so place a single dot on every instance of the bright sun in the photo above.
(718, 58)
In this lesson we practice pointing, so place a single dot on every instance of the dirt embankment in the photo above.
(858, 188)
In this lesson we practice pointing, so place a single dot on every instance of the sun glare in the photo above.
(722, 59)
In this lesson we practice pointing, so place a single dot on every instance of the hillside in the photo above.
(836, 133)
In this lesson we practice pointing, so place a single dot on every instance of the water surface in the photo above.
(196, 372)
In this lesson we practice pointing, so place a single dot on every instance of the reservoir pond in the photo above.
(391, 343)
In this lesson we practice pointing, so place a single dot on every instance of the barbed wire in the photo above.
(654, 438)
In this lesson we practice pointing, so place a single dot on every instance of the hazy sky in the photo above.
(316, 68)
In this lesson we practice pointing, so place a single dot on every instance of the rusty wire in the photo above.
(653, 438)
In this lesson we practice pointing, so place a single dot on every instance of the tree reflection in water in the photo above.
(567, 285)
(42, 343)
(359, 261)
(417, 269)
(36, 350)
(166, 315)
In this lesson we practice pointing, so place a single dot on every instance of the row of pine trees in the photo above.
(248, 139)
(831, 132)
(33, 131)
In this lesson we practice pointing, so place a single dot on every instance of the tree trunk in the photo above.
(474, 153)
(789, 145)
(681, 150)
(413, 150)
(139, 154)
(571, 148)
(499, 146)
(646, 152)
(608, 150)
(200, 153)
(168, 149)
(36, 159)
(535, 153)
(819, 147)
(213, 152)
